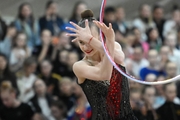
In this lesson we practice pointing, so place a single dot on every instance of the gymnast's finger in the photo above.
(74, 40)
(72, 35)
(75, 25)
(87, 23)
(72, 29)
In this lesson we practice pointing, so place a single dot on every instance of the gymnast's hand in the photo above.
(108, 31)
(83, 34)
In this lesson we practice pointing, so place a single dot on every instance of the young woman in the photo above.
(105, 88)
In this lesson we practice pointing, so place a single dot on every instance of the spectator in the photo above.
(79, 7)
(13, 109)
(38, 116)
(51, 20)
(171, 70)
(120, 20)
(82, 108)
(159, 19)
(144, 21)
(72, 58)
(41, 101)
(26, 78)
(66, 93)
(171, 40)
(110, 17)
(44, 50)
(6, 44)
(164, 56)
(172, 108)
(139, 42)
(63, 43)
(59, 110)
(138, 62)
(26, 22)
(51, 79)
(153, 67)
(147, 111)
(3, 29)
(154, 39)
(60, 64)
(5, 73)
(173, 24)
(19, 52)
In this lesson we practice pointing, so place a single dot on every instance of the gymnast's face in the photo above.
(85, 47)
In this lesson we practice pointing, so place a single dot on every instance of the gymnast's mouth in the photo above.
(89, 51)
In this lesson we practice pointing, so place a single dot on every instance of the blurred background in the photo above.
(36, 57)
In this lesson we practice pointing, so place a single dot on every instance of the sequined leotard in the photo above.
(109, 100)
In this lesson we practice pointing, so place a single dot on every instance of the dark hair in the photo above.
(49, 3)
(60, 105)
(87, 14)
(6, 71)
(73, 15)
(109, 9)
(156, 6)
(29, 61)
(21, 17)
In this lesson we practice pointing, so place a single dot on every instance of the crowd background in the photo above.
(36, 58)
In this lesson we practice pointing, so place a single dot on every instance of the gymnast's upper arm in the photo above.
(84, 71)
(119, 55)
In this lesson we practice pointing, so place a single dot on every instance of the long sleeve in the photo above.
(5, 46)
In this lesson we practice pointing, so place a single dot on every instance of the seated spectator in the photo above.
(3, 29)
(120, 20)
(26, 78)
(153, 67)
(174, 23)
(172, 108)
(164, 56)
(79, 7)
(144, 21)
(159, 19)
(66, 93)
(153, 39)
(82, 107)
(51, 79)
(13, 109)
(72, 58)
(147, 111)
(26, 22)
(44, 50)
(138, 62)
(19, 52)
(63, 43)
(171, 70)
(5, 73)
(41, 101)
(139, 42)
(59, 110)
(6, 44)
(110, 17)
(171, 41)
(51, 20)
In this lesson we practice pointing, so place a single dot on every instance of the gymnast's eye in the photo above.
(81, 42)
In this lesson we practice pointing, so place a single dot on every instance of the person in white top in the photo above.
(26, 79)
(19, 52)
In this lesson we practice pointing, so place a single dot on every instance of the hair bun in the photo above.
(87, 14)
